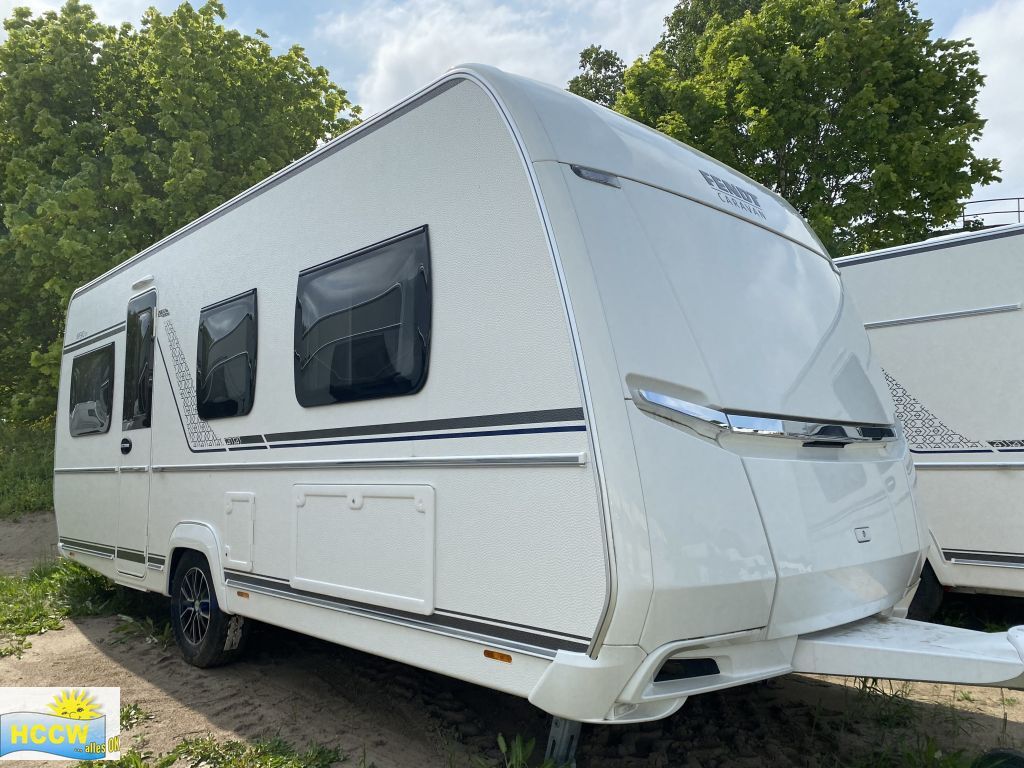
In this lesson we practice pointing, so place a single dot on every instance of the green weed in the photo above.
(207, 752)
(41, 600)
(26, 468)
(154, 631)
(132, 715)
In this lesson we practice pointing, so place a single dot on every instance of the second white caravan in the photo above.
(944, 317)
(506, 386)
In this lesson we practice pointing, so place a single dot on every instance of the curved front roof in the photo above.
(557, 125)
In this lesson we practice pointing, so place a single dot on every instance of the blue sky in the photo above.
(382, 50)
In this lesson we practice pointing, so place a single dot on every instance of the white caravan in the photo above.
(944, 318)
(506, 386)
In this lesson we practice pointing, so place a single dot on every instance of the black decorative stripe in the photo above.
(442, 436)
(132, 555)
(89, 546)
(852, 261)
(1002, 558)
(250, 439)
(435, 621)
(435, 425)
(246, 447)
(156, 559)
(520, 626)
(92, 338)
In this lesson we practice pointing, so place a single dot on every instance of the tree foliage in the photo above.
(111, 138)
(686, 25)
(845, 107)
(600, 77)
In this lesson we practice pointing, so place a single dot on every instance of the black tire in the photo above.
(1000, 758)
(928, 597)
(206, 635)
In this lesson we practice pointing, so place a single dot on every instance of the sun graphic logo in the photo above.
(72, 723)
(76, 705)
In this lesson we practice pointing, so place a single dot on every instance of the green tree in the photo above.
(845, 107)
(600, 77)
(686, 25)
(112, 138)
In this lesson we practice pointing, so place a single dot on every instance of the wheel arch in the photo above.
(201, 538)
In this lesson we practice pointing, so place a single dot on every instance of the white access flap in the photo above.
(902, 649)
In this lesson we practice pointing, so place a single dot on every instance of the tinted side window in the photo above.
(138, 363)
(362, 323)
(226, 364)
(92, 392)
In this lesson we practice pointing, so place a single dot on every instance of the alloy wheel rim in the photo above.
(194, 612)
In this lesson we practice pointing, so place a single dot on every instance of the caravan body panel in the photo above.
(646, 425)
(944, 318)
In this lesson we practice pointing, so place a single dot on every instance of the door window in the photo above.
(138, 363)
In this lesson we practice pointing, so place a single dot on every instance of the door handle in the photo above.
(126, 445)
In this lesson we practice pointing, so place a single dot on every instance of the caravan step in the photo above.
(902, 649)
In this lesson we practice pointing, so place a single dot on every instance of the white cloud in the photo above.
(107, 11)
(405, 46)
(996, 32)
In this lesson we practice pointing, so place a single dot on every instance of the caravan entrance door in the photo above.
(136, 436)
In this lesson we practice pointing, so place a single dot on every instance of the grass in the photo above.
(207, 752)
(132, 715)
(149, 629)
(26, 468)
(41, 600)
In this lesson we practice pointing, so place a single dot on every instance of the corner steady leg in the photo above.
(562, 742)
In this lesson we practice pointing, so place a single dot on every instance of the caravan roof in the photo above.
(550, 123)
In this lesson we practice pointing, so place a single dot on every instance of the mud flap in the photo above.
(902, 649)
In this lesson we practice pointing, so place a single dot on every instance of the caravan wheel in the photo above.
(207, 636)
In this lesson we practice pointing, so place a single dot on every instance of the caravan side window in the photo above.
(92, 392)
(362, 323)
(226, 364)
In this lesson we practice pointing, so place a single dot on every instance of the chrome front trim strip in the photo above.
(710, 422)
(944, 316)
(134, 469)
(515, 460)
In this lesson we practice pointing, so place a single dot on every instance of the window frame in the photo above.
(339, 262)
(110, 348)
(253, 292)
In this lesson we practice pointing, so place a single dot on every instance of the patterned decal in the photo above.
(198, 432)
(924, 430)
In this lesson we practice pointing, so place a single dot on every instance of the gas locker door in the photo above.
(136, 436)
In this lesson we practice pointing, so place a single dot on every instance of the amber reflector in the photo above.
(498, 656)
(242, 594)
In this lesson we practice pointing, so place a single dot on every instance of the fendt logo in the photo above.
(737, 197)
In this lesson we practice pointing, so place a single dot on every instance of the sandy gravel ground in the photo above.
(306, 690)
(26, 542)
